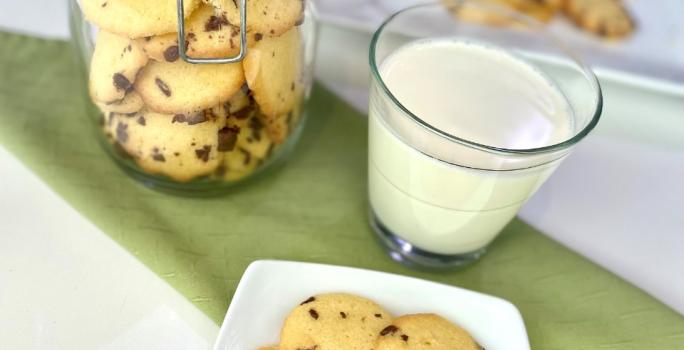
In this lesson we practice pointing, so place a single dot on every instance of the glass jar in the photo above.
(195, 128)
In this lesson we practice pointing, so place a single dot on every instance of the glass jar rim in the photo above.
(586, 71)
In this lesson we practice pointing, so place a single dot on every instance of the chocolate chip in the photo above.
(203, 153)
(378, 315)
(148, 38)
(176, 154)
(311, 299)
(215, 23)
(158, 157)
(163, 87)
(404, 337)
(292, 86)
(313, 314)
(122, 132)
(129, 48)
(121, 82)
(171, 54)
(258, 36)
(391, 329)
(104, 4)
(196, 119)
(227, 137)
(344, 315)
(244, 113)
(191, 36)
(142, 121)
(178, 118)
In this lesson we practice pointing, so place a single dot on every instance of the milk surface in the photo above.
(474, 92)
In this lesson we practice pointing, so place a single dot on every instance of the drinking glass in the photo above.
(438, 197)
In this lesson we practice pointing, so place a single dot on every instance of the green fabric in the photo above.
(314, 209)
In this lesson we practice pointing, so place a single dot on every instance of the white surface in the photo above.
(656, 48)
(495, 323)
(65, 285)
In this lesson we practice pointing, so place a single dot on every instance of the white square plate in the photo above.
(269, 290)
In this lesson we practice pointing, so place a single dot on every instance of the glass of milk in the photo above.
(472, 108)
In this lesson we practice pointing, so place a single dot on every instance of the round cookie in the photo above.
(136, 18)
(334, 322)
(179, 86)
(182, 147)
(424, 332)
(264, 17)
(114, 67)
(131, 103)
(208, 34)
(273, 69)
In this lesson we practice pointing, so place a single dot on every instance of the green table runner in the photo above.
(314, 209)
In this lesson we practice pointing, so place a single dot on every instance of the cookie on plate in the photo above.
(424, 332)
(264, 17)
(208, 34)
(136, 18)
(182, 147)
(334, 322)
(131, 103)
(273, 69)
(182, 87)
(607, 18)
(115, 65)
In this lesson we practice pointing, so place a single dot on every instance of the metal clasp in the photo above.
(182, 47)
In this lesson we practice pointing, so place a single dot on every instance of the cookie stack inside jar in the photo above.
(197, 121)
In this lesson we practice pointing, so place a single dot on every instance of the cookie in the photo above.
(606, 18)
(208, 34)
(334, 322)
(424, 332)
(273, 69)
(131, 103)
(115, 65)
(181, 87)
(541, 10)
(182, 147)
(264, 17)
(136, 18)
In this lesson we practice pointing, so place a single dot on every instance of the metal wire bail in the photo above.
(182, 47)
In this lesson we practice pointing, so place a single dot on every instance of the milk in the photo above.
(436, 194)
